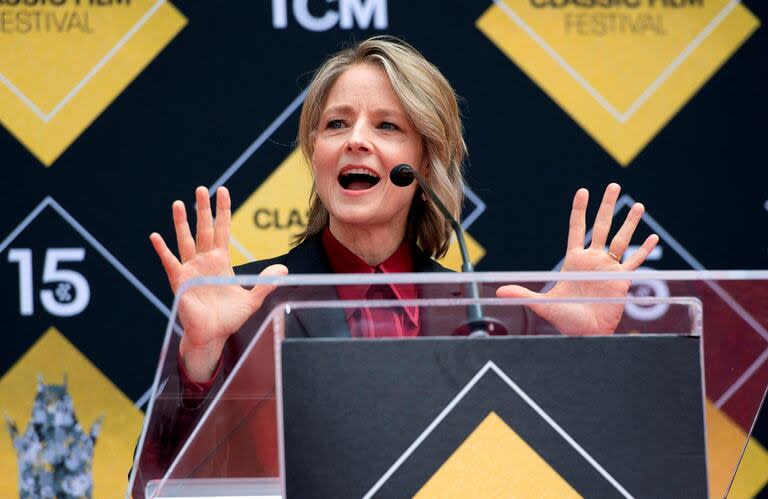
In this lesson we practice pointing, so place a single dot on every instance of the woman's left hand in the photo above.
(591, 318)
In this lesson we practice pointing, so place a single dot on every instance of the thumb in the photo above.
(274, 270)
(515, 291)
(260, 291)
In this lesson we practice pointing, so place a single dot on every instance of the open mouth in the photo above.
(358, 179)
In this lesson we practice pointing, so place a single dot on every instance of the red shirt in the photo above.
(375, 322)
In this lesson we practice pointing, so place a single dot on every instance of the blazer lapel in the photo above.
(309, 258)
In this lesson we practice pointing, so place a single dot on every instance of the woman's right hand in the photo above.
(208, 314)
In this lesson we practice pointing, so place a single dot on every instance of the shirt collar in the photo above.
(343, 261)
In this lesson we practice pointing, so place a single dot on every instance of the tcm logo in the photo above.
(350, 14)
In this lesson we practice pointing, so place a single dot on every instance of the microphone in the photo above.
(402, 175)
(477, 325)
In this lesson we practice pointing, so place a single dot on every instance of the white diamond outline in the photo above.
(76, 89)
(666, 237)
(491, 366)
(249, 151)
(50, 202)
(658, 82)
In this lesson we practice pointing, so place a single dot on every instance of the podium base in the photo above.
(216, 488)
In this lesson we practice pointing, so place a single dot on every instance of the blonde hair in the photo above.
(431, 105)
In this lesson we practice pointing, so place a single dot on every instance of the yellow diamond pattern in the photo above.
(725, 443)
(494, 461)
(622, 73)
(54, 84)
(265, 225)
(93, 395)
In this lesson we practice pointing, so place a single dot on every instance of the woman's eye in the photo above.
(386, 125)
(335, 124)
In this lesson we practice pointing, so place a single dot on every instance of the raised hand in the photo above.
(591, 318)
(208, 314)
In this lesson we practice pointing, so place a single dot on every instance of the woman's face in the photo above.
(363, 133)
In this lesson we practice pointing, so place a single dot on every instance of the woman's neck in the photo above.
(373, 245)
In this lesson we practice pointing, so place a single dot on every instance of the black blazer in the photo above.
(309, 258)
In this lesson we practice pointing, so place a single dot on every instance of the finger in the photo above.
(515, 291)
(204, 234)
(638, 257)
(258, 293)
(604, 216)
(223, 219)
(184, 239)
(621, 240)
(169, 261)
(577, 226)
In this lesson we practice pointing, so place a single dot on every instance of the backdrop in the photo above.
(112, 109)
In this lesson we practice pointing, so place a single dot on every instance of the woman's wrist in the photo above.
(200, 361)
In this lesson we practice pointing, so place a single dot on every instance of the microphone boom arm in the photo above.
(402, 175)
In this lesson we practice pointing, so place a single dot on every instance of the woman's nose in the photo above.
(358, 139)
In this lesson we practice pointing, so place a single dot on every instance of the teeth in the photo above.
(360, 171)
(357, 178)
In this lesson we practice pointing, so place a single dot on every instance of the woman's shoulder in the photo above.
(424, 263)
(253, 268)
(308, 257)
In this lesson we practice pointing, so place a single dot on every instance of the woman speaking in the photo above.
(368, 109)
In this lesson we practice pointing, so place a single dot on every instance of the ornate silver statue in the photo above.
(54, 454)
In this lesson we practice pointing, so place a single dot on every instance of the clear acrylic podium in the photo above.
(662, 406)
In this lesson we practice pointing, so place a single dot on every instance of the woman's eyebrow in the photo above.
(388, 112)
(379, 111)
(338, 109)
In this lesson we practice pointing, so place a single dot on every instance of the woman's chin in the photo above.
(356, 217)
(362, 217)
(377, 209)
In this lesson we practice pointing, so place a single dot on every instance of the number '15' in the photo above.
(74, 281)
